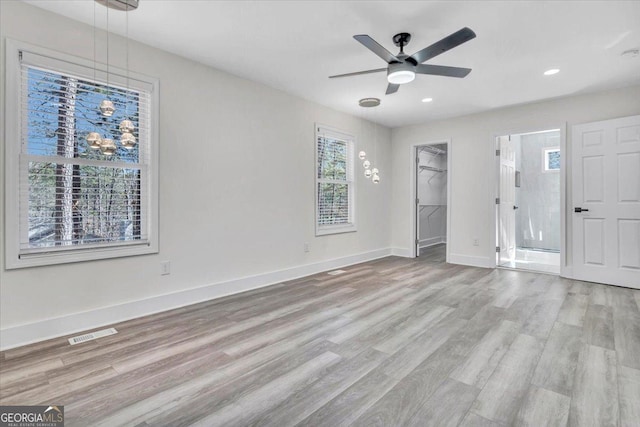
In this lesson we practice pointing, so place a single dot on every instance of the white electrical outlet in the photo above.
(306, 247)
(165, 268)
(476, 241)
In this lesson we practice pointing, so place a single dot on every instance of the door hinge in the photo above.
(497, 248)
(417, 160)
(417, 242)
(498, 153)
(417, 201)
(497, 200)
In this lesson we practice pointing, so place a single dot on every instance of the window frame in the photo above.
(15, 257)
(323, 230)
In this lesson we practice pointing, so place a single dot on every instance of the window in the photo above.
(334, 182)
(67, 201)
(552, 159)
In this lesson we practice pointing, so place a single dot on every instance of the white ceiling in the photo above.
(296, 45)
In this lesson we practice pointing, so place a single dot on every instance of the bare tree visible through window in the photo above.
(76, 194)
(334, 181)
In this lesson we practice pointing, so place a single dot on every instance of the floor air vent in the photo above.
(92, 336)
(336, 272)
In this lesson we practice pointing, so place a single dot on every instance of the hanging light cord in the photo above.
(108, 87)
(126, 102)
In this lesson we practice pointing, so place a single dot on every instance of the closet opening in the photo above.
(528, 204)
(431, 201)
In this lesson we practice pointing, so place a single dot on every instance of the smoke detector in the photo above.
(369, 102)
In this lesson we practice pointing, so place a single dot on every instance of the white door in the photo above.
(507, 213)
(606, 201)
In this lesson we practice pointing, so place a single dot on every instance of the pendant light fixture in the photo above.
(94, 140)
(107, 107)
(369, 171)
(108, 147)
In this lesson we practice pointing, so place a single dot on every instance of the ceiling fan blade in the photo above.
(441, 70)
(447, 43)
(392, 88)
(357, 73)
(375, 47)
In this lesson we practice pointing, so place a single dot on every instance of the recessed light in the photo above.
(427, 99)
(551, 72)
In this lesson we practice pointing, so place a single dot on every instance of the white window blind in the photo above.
(72, 197)
(334, 181)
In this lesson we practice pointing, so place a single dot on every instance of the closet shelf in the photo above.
(431, 149)
(431, 168)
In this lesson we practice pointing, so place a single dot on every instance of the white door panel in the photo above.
(507, 224)
(606, 186)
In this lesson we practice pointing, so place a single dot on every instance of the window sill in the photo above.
(37, 259)
(335, 229)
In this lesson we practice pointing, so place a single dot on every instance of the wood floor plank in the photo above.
(598, 326)
(301, 405)
(409, 357)
(345, 408)
(629, 388)
(247, 409)
(543, 407)
(542, 318)
(417, 341)
(398, 405)
(500, 399)
(475, 420)
(447, 406)
(409, 329)
(573, 309)
(484, 358)
(627, 339)
(594, 401)
(557, 366)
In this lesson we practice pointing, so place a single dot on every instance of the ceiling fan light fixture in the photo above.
(401, 77)
(401, 73)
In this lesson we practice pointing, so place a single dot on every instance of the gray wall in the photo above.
(538, 198)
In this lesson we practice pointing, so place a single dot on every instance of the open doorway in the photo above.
(431, 183)
(528, 204)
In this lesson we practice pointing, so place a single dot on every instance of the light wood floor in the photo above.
(391, 342)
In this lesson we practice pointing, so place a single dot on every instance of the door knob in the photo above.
(515, 207)
(578, 210)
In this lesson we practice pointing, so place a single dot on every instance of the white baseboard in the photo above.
(425, 243)
(473, 261)
(17, 336)
(403, 252)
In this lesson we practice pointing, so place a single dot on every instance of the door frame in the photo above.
(565, 191)
(413, 191)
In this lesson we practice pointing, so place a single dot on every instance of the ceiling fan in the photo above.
(403, 68)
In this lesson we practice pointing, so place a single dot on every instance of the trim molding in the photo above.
(403, 252)
(30, 333)
(473, 261)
